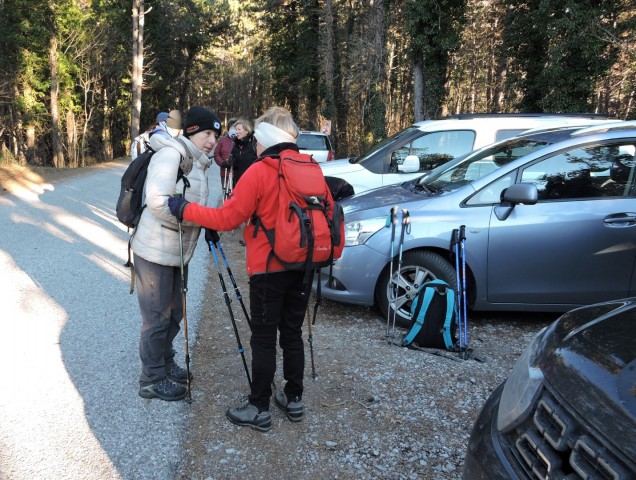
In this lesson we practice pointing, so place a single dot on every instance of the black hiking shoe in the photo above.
(295, 408)
(248, 416)
(178, 374)
(165, 390)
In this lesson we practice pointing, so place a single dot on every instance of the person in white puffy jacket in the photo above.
(156, 248)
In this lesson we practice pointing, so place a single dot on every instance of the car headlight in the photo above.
(521, 388)
(357, 233)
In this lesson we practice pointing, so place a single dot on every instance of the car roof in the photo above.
(509, 121)
(310, 132)
(555, 134)
(555, 138)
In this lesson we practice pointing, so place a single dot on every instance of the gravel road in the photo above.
(71, 409)
(70, 331)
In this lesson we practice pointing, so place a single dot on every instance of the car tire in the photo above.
(418, 266)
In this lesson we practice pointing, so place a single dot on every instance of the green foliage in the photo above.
(240, 56)
(434, 27)
(556, 53)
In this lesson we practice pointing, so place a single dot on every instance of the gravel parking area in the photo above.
(375, 411)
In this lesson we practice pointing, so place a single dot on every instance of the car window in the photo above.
(506, 134)
(434, 148)
(479, 164)
(369, 155)
(312, 142)
(492, 192)
(595, 171)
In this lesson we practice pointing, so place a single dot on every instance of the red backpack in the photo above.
(309, 229)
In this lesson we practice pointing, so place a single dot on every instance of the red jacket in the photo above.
(222, 150)
(255, 193)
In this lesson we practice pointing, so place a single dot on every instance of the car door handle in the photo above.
(625, 219)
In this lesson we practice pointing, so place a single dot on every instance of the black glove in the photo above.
(177, 206)
(211, 236)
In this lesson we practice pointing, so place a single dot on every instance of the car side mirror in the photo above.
(411, 164)
(517, 194)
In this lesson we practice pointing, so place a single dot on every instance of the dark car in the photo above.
(568, 408)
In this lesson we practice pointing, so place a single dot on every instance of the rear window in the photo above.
(312, 142)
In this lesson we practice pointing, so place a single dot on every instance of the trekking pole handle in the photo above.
(406, 220)
(392, 218)
(462, 232)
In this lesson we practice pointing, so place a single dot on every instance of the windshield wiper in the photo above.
(424, 187)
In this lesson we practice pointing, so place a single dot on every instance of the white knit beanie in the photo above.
(268, 135)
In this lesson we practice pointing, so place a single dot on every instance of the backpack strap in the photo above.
(450, 308)
(418, 323)
(186, 162)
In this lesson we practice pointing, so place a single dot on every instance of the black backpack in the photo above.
(130, 203)
(433, 317)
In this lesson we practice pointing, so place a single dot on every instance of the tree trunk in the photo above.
(418, 91)
(502, 66)
(137, 64)
(328, 62)
(379, 35)
(56, 141)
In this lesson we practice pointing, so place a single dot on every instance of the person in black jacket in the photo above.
(244, 150)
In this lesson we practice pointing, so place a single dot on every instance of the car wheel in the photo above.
(418, 266)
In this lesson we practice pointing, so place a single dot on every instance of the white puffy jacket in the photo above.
(157, 235)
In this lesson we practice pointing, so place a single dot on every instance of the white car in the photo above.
(428, 144)
(316, 144)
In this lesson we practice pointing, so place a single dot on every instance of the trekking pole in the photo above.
(224, 184)
(406, 228)
(391, 221)
(310, 322)
(462, 238)
(184, 290)
(237, 292)
(228, 301)
(455, 248)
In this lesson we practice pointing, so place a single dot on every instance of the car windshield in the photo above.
(387, 141)
(478, 165)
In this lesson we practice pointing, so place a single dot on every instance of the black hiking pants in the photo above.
(278, 304)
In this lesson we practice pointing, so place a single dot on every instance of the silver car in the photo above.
(550, 222)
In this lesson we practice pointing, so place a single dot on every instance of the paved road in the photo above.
(69, 407)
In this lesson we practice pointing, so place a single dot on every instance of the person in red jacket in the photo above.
(279, 307)
(223, 153)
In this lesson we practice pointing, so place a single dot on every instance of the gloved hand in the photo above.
(211, 236)
(177, 206)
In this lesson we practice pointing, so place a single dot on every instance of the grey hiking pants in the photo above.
(160, 303)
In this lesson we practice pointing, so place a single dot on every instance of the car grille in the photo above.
(553, 444)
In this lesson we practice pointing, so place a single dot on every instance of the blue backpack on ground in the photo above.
(433, 316)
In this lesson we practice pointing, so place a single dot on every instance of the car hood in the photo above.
(339, 167)
(380, 200)
(590, 360)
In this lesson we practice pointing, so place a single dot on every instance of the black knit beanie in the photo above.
(198, 119)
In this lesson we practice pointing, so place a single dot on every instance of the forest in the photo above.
(80, 78)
